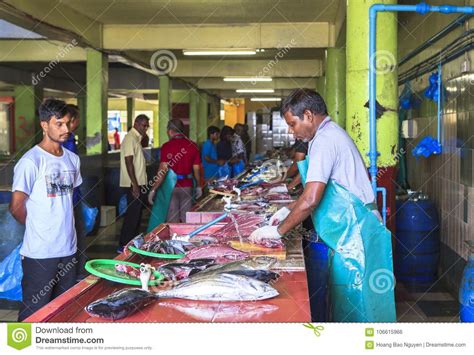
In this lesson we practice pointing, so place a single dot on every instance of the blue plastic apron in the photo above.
(360, 262)
(162, 201)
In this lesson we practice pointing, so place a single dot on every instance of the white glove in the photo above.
(198, 193)
(278, 189)
(267, 232)
(279, 216)
(151, 197)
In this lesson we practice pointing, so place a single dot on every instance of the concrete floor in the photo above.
(432, 304)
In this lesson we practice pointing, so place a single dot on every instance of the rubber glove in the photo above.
(279, 216)
(151, 197)
(266, 232)
(198, 193)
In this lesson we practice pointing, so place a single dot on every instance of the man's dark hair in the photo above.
(212, 130)
(175, 125)
(304, 99)
(141, 117)
(73, 111)
(226, 130)
(50, 108)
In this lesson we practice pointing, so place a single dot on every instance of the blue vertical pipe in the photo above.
(440, 87)
(422, 8)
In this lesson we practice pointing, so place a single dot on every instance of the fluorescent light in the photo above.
(251, 79)
(262, 91)
(265, 99)
(220, 52)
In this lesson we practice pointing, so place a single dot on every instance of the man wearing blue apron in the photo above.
(339, 197)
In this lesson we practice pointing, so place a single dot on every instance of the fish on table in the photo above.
(180, 270)
(221, 253)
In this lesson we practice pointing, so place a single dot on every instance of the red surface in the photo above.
(292, 305)
(386, 177)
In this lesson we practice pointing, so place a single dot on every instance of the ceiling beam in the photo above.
(40, 50)
(276, 83)
(212, 36)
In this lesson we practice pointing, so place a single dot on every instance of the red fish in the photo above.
(222, 253)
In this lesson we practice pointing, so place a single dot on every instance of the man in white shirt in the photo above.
(42, 199)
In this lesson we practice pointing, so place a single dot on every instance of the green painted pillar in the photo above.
(336, 85)
(357, 73)
(156, 129)
(27, 126)
(81, 131)
(202, 118)
(321, 86)
(130, 111)
(96, 102)
(164, 108)
(193, 114)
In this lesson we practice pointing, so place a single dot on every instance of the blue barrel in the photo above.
(466, 293)
(417, 242)
(316, 259)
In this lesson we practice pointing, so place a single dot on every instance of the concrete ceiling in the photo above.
(135, 29)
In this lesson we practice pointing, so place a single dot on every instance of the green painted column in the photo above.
(202, 118)
(357, 73)
(164, 108)
(193, 114)
(321, 86)
(130, 111)
(156, 129)
(27, 126)
(81, 131)
(96, 102)
(336, 85)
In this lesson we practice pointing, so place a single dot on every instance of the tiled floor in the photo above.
(432, 304)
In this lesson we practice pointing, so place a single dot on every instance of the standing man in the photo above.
(210, 163)
(71, 145)
(116, 139)
(133, 178)
(181, 155)
(43, 183)
(339, 197)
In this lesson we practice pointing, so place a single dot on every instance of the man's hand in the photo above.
(267, 232)
(279, 216)
(135, 191)
(151, 197)
(198, 193)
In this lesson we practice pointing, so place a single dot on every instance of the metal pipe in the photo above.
(421, 8)
(440, 87)
(211, 223)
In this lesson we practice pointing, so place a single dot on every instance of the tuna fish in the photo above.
(179, 271)
(220, 252)
(120, 304)
(255, 263)
(221, 287)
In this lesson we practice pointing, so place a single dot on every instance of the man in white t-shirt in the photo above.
(42, 199)
(332, 155)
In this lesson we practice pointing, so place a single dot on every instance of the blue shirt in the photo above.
(209, 150)
(70, 144)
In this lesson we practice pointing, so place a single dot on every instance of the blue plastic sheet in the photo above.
(361, 267)
(11, 274)
(122, 206)
(89, 215)
(224, 171)
(237, 168)
(162, 201)
(428, 146)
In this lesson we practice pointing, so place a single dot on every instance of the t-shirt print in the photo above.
(59, 182)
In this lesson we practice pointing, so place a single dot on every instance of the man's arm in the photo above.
(303, 207)
(295, 182)
(18, 206)
(133, 177)
(160, 175)
(293, 170)
(197, 174)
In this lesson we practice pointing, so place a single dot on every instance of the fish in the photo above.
(222, 311)
(178, 271)
(221, 287)
(247, 222)
(168, 246)
(253, 263)
(222, 253)
(128, 270)
(203, 240)
(120, 304)
(261, 275)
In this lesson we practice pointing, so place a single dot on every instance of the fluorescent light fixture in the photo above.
(247, 78)
(261, 91)
(265, 99)
(220, 52)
